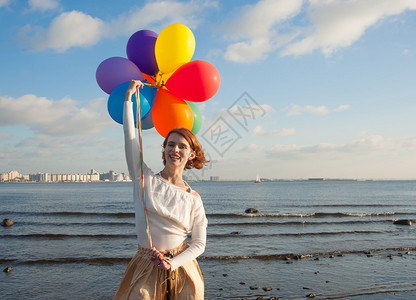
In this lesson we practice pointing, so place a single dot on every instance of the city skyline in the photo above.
(112, 175)
(308, 88)
(91, 176)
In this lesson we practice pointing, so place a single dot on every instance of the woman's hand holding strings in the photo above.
(134, 85)
(158, 259)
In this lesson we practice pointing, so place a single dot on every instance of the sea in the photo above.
(324, 239)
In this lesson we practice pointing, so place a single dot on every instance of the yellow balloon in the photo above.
(174, 46)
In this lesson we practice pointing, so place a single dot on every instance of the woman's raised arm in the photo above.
(131, 146)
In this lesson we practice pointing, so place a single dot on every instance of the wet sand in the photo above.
(381, 275)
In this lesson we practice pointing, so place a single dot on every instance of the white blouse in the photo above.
(172, 212)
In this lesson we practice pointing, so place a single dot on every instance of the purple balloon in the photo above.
(114, 71)
(141, 50)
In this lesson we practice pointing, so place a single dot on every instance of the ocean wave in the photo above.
(51, 223)
(271, 256)
(216, 215)
(305, 215)
(298, 234)
(5, 260)
(73, 260)
(296, 256)
(73, 213)
(311, 222)
(66, 236)
(302, 223)
(53, 236)
(352, 205)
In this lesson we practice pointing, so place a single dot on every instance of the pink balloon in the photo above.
(194, 81)
(114, 71)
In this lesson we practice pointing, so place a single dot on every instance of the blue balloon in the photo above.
(147, 93)
(116, 100)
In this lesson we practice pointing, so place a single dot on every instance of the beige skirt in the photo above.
(144, 280)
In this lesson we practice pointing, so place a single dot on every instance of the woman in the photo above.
(164, 266)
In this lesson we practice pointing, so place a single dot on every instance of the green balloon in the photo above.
(197, 117)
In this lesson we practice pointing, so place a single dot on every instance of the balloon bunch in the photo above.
(172, 82)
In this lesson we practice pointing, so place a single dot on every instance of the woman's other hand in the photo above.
(158, 259)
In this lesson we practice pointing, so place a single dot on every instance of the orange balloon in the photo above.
(170, 112)
(149, 79)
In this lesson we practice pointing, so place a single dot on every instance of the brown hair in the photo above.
(199, 160)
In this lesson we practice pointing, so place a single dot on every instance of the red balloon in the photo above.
(194, 81)
(170, 112)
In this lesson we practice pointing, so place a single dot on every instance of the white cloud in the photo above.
(251, 148)
(70, 29)
(202, 107)
(287, 26)
(250, 51)
(238, 115)
(367, 145)
(252, 110)
(154, 12)
(342, 108)
(43, 5)
(337, 24)
(77, 29)
(4, 3)
(315, 110)
(259, 130)
(56, 118)
(255, 28)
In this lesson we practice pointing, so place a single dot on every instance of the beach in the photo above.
(331, 240)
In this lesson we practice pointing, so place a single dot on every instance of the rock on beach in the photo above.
(252, 210)
(7, 222)
(403, 222)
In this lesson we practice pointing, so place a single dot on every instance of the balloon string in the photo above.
(154, 85)
(139, 123)
(160, 83)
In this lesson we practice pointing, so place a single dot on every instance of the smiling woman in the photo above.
(184, 139)
(164, 266)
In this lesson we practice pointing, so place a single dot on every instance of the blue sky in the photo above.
(319, 88)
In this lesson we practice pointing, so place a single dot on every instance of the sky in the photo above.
(318, 88)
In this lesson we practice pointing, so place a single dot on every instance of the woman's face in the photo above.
(177, 151)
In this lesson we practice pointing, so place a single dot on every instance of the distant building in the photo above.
(95, 176)
(10, 176)
(214, 178)
(110, 176)
(46, 177)
(113, 176)
(40, 177)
